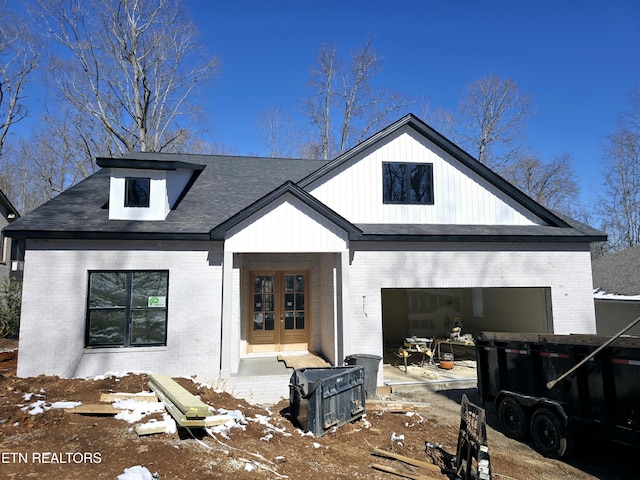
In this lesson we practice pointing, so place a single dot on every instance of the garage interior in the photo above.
(433, 312)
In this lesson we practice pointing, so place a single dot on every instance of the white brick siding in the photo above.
(54, 306)
(565, 270)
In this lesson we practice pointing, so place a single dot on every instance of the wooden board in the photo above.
(94, 409)
(151, 428)
(384, 468)
(112, 397)
(190, 406)
(308, 360)
(408, 460)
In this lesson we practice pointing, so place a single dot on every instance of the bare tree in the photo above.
(19, 55)
(552, 184)
(132, 69)
(620, 199)
(278, 133)
(345, 106)
(492, 117)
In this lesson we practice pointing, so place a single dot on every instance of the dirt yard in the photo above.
(57, 444)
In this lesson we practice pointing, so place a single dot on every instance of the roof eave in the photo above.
(102, 235)
(461, 238)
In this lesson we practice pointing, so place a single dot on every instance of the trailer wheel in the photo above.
(512, 418)
(549, 435)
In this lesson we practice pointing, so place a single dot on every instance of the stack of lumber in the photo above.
(186, 409)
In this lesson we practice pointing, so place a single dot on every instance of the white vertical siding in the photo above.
(286, 226)
(460, 196)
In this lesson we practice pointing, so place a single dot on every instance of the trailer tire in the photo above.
(513, 418)
(549, 435)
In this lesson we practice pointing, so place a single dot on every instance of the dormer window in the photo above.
(137, 192)
(146, 187)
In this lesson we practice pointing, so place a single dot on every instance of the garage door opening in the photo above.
(432, 312)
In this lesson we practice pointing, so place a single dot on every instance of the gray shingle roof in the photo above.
(618, 273)
(229, 187)
(225, 186)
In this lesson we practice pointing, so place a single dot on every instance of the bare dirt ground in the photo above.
(267, 445)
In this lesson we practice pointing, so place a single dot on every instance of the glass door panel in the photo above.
(278, 315)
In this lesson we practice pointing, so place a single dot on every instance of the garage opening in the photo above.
(434, 312)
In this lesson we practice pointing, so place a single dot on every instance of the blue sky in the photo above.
(577, 59)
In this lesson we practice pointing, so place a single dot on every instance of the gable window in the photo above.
(407, 183)
(127, 308)
(137, 192)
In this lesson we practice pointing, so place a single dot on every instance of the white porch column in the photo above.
(227, 304)
(344, 346)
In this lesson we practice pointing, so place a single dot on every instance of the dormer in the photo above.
(145, 187)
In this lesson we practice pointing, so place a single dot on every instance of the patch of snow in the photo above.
(249, 467)
(316, 445)
(65, 404)
(397, 438)
(238, 420)
(136, 473)
(267, 437)
(119, 375)
(366, 423)
(171, 424)
(40, 406)
(602, 295)
(134, 411)
(264, 420)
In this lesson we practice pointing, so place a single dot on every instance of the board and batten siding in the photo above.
(55, 297)
(286, 226)
(461, 196)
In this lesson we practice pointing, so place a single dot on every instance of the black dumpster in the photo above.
(370, 364)
(322, 398)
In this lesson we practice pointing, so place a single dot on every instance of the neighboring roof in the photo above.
(225, 190)
(618, 273)
(8, 205)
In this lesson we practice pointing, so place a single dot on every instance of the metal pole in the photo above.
(552, 383)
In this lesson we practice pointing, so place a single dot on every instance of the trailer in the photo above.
(558, 387)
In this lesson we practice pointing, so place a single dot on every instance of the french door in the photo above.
(279, 314)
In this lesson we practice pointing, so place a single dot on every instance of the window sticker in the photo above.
(159, 302)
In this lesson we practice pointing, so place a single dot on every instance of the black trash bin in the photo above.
(322, 398)
(370, 364)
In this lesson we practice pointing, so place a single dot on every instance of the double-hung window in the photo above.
(407, 183)
(127, 308)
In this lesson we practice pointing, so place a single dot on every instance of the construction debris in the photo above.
(408, 460)
(384, 468)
